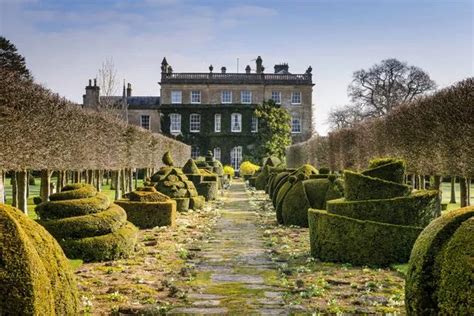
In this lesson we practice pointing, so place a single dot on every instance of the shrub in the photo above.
(190, 167)
(248, 168)
(387, 169)
(361, 187)
(324, 170)
(344, 239)
(116, 245)
(418, 209)
(197, 202)
(74, 191)
(87, 225)
(68, 208)
(438, 275)
(228, 170)
(35, 276)
(37, 200)
(182, 204)
(150, 214)
(150, 195)
(208, 189)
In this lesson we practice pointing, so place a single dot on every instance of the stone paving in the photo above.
(234, 273)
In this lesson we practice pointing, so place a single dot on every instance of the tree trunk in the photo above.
(422, 182)
(45, 185)
(113, 181)
(437, 185)
(136, 178)
(116, 180)
(59, 179)
(90, 176)
(2, 187)
(130, 179)
(107, 177)
(98, 180)
(14, 190)
(27, 184)
(123, 184)
(453, 190)
(463, 191)
(22, 185)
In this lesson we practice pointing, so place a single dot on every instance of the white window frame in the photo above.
(238, 121)
(294, 99)
(276, 97)
(175, 123)
(254, 124)
(195, 97)
(149, 121)
(246, 99)
(217, 153)
(226, 97)
(176, 97)
(236, 157)
(296, 118)
(194, 123)
(217, 122)
(195, 152)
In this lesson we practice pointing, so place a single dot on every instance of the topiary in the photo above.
(228, 170)
(167, 159)
(83, 225)
(248, 169)
(35, 276)
(190, 167)
(440, 272)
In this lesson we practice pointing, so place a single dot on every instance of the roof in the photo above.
(237, 78)
(135, 102)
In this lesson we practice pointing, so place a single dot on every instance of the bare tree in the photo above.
(107, 79)
(376, 91)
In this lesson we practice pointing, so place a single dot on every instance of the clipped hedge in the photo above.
(150, 214)
(74, 191)
(69, 208)
(90, 225)
(419, 209)
(440, 271)
(35, 276)
(307, 194)
(116, 245)
(344, 239)
(388, 169)
(197, 202)
(278, 182)
(182, 204)
(362, 187)
(208, 189)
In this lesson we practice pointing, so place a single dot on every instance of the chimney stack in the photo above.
(259, 65)
(223, 70)
(247, 69)
(283, 68)
(90, 82)
(129, 90)
(95, 82)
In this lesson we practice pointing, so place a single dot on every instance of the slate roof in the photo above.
(136, 102)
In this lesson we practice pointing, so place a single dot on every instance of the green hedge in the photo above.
(74, 191)
(419, 209)
(69, 208)
(360, 187)
(208, 189)
(150, 214)
(90, 225)
(312, 193)
(392, 170)
(197, 202)
(182, 204)
(35, 276)
(344, 239)
(275, 182)
(285, 188)
(426, 263)
(116, 245)
(280, 181)
(148, 195)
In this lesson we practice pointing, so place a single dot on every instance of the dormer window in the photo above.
(226, 96)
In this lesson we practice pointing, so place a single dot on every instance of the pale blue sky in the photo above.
(65, 42)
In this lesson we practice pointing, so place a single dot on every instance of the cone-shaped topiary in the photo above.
(167, 159)
(380, 214)
(440, 274)
(190, 167)
(91, 228)
(35, 275)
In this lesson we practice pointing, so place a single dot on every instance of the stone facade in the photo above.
(215, 110)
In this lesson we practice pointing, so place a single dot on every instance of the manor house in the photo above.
(215, 110)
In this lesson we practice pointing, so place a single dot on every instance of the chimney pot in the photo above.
(129, 89)
(223, 70)
(247, 69)
(90, 82)
(95, 82)
(259, 65)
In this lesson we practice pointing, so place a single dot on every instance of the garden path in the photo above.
(234, 272)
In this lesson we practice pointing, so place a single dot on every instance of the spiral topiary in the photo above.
(377, 221)
(87, 225)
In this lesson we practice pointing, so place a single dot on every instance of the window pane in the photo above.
(176, 97)
(276, 97)
(194, 152)
(236, 157)
(295, 124)
(236, 122)
(217, 153)
(175, 123)
(145, 121)
(254, 127)
(246, 97)
(226, 96)
(195, 96)
(296, 98)
(217, 123)
(194, 122)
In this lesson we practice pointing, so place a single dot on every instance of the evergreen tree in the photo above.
(11, 60)
(274, 133)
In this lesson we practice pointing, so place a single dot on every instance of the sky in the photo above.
(65, 42)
